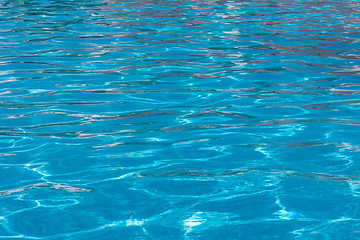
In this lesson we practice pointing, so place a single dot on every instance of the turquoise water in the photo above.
(180, 119)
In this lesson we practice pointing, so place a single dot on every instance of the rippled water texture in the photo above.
(180, 119)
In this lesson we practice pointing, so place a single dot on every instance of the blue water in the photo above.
(180, 119)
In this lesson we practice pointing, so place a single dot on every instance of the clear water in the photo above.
(180, 119)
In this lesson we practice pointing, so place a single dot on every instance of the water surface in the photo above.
(179, 119)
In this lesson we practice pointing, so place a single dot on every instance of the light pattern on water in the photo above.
(179, 119)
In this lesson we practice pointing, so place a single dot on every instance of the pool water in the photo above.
(180, 119)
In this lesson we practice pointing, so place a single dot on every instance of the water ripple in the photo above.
(179, 119)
